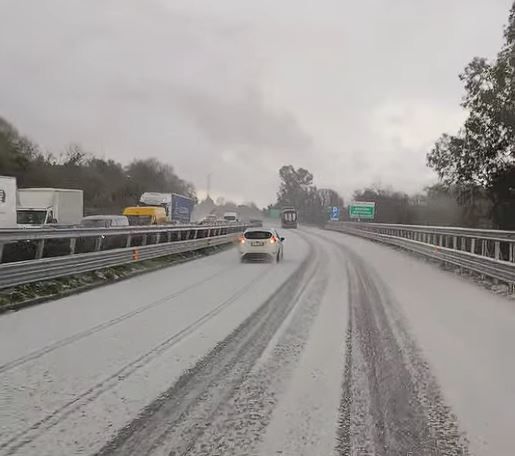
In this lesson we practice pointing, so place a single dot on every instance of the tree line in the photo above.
(108, 185)
(436, 205)
(479, 160)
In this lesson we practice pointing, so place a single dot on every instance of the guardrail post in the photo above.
(497, 254)
(483, 247)
(40, 249)
(73, 243)
(158, 237)
(511, 247)
(169, 236)
(98, 243)
(463, 243)
(129, 240)
(1, 251)
(473, 245)
(440, 240)
(144, 240)
(455, 242)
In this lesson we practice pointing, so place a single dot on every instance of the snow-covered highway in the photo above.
(346, 348)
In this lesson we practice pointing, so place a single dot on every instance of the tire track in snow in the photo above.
(238, 425)
(29, 434)
(6, 367)
(391, 403)
(176, 421)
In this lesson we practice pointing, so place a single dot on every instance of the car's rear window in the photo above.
(258, 235)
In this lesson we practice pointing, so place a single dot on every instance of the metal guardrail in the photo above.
(21, 272)
(39, 238)
(395, 229)
(486, 252)
(152, 242)
(8, 235)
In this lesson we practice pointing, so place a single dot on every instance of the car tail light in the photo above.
(242, 240)
(273, 240)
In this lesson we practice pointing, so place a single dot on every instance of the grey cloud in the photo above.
(349, 90)
(245, 121)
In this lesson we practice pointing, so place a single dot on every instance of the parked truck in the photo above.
(7, 202)
(43, 206)
(178, 207)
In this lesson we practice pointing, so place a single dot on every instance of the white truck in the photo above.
(7, 202)
(43, 206)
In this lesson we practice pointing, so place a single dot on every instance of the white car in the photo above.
(261, 244)
(104, 221)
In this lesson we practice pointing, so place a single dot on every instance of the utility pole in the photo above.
(208, 184)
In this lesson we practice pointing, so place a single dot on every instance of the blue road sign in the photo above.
(334, 214)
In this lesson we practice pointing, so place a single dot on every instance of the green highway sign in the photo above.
(274, 213)
(362, 210)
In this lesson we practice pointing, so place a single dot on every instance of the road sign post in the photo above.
(334, 214)
(362, 210)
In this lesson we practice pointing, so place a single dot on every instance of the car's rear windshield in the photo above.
(258, 235)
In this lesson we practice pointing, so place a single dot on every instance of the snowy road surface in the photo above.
(346, 348)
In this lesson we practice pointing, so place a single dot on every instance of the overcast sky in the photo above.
(355, 91)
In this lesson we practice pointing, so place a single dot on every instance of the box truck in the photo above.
(43, 206)
(178, 207)
(7, 202)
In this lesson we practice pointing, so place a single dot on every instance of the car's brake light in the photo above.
(242, 240)
(273, 240)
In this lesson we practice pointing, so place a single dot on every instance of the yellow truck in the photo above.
(145, 215)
